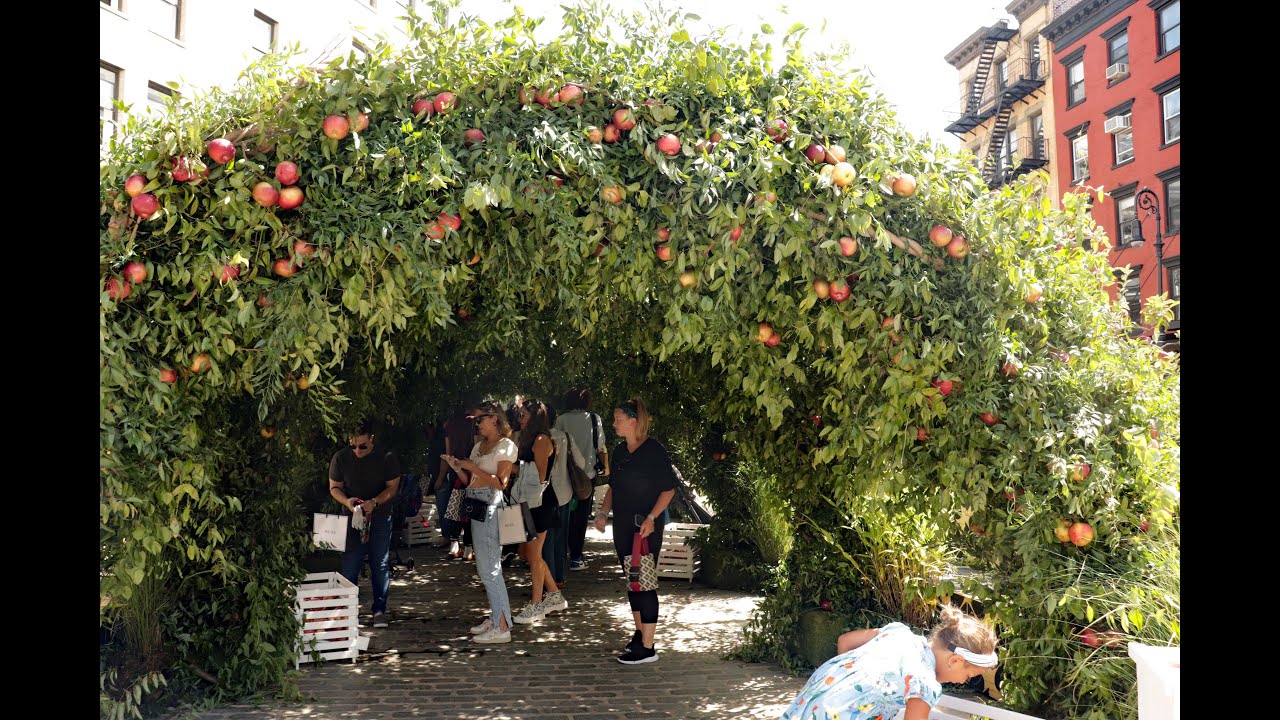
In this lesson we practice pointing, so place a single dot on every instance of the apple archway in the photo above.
(277, 259)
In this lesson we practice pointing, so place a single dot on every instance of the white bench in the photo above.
(954, 708)
(677, 558)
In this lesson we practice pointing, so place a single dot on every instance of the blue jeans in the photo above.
(484, 538)
(378, 550)
(450, 529)
(555, 551)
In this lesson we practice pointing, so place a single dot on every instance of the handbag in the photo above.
(515, 523)
(329, 531)
(473, 509)
(640, 566)
(582, 486)
(453, 511)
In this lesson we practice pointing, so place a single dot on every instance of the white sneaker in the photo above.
(483, 627)
(454, 548)
(554, 601)
(529, 614)
(492, 637)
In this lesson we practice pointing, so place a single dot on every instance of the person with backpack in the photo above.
(587, 431)
(360, 477)
(641, 485)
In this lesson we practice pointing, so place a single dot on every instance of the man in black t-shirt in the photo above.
(358, 476)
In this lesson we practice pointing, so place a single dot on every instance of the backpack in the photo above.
(409, 495)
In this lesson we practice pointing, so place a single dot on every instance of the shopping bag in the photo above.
(515, 524)
(640, 566)
(329, 531)
(453, 511)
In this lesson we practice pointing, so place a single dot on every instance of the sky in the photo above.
(901, 43)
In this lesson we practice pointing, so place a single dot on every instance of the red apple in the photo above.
(944, 387)
(287, 173)
(263, 300)
(843, 174)
(776, 130)
(423, 108)
(1080, 472)
(623, 118)
(180, 169)
(302, 248)
(893, 336)
(199, 172)
(464, 313)
(145, 205)
(1081, 533)
(135, 184)
(1063, 531)
(546, 98)
(688, 279)
(940, 235)
(669, 145)
(835, 155)
(840, 291)
(664, 234)
(848, 246)
(715, 137)
(765, 331)
(571, 95)
(612, 194)
(958, 247)
(221, 151)
(922, 434)
(773, 340)
(1112, 638)
(1089, 637)
(167, 375)
(336, 127)
(524, 95)
(826, 605)
(612, 133)
(265, 194)
(1035, 293)
(735, 233)
(595, 135)
(473, 136)
(816, 419)
(1010, 369)
(136, 272)
(118, 289)
(359, 122)
(284, 268)
(904, 185)
(816, 153)
(445, 102)
(200, 363)
(989, 418)
(664, 253)
(822, 289)
(228, 273)
(1145, 526)
(453, 222)
(290, 198)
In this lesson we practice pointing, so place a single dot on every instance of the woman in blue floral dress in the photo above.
(879, 671)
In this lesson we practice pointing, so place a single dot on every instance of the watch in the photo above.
(652, 516)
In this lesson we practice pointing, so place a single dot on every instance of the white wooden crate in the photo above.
(328, 608)
(421, 529)
(954, 708)
(678, 559)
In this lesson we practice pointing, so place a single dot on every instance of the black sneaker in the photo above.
(636, 643)
(380, 620)
(638, 657)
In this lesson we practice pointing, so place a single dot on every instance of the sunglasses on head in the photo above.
(628, 409)
(362, 446)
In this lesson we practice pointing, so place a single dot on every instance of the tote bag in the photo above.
(453, 511)
(329, 531)
(640, 566)
(515, 524)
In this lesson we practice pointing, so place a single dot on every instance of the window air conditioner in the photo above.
(1118, 71)
(1117, 124)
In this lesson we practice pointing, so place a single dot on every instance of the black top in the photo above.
(638, 479)
(365, 478)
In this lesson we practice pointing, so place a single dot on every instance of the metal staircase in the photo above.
(995, 141)
(998, 33)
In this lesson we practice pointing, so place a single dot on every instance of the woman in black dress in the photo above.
(640, 486)
(537, 453)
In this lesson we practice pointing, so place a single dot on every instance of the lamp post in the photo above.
(1148, 201)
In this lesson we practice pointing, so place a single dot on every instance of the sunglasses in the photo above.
(628, 409)
(361, 447)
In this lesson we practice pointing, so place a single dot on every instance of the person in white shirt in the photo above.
(587, 431)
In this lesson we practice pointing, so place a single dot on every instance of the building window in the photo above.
(1126, 213)
(113, 4)
(1075, 83)
(1011, 145)
(157, 98)
(1002, 73)
(1173, 205)
(1080, 157)
(108, 93)
(1174, 266)
(163, 17)
(1037, 136)
(1170, 27)
(1118, 49)
(1131, 293)
(264, 33)
(1171, 102)
(1033, 56)
(1124, 146)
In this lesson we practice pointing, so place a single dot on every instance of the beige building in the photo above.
(1006, 89)
(151, 49)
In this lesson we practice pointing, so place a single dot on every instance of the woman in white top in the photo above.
(488, 471)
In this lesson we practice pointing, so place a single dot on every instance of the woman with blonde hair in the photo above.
(487, 472)
(640, 486)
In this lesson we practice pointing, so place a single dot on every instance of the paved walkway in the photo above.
(424, 665)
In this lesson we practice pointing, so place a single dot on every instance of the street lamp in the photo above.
(1147, 200)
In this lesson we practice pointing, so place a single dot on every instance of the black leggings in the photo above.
(645, 602)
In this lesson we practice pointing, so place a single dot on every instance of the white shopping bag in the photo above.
(511, 524)
(330, 531)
